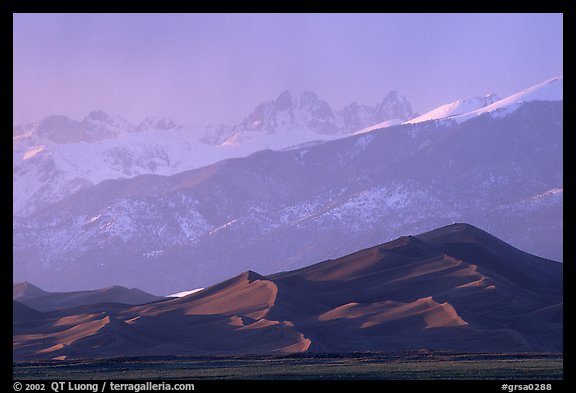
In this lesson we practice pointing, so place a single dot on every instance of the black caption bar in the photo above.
(103, 386)
(255, 386)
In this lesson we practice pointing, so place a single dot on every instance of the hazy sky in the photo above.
(215, 68)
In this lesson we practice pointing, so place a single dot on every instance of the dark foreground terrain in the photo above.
(423, 365)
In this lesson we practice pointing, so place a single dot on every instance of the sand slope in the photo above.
(22, 291)
(454, 288)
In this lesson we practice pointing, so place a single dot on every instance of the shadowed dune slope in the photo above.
(21, 312)
(454, 288)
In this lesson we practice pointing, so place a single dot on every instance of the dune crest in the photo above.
(454, 288)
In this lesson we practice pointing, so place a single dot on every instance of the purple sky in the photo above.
(215, 68)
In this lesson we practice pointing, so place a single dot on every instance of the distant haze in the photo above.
(214, 68)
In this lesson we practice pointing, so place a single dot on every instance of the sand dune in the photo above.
(455, 288)
(41, 300)
(21, 312)
(22, 291)
(433, 314)
(249, 294)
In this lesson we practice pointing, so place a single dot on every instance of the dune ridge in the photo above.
(454, 288)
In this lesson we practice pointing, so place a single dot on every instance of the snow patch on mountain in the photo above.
(545, 194)
(29, 153)
(466, 109)
(384, 124)
(185, 293)
(549, 90)
(459, 107)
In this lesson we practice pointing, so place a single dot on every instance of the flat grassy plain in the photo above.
(307, 366)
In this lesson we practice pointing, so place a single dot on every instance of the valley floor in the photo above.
(416, 365)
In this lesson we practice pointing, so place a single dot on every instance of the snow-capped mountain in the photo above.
(549, 90)
(456, 108)
(290, 119)
(58, 156)
(462, 110)
(156, 123)
(97, 126)
(467, 108)
(394, 107)
(46, 171)
(291, 110)
(393, 110)
(278, 210)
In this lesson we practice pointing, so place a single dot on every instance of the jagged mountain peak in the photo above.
(59, 129)
(109, 125)
(290, 110)
(393, 106)
(156, 123)
(99, 115)
(305, 110)
(394, 95)
(96, 126)
(295, 99)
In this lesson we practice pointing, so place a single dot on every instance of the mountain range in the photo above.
(58, 156)
(497, 166)
(454, 288)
